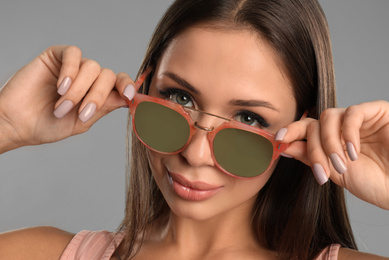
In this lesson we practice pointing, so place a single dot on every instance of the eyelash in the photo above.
(168, 93)
(260, 120)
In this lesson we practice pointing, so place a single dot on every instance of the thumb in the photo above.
(127, 87)
(298, 151)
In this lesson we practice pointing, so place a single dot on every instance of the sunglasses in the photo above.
(166, 127)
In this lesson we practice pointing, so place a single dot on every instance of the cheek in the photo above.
(241, 194)
(158, 170)
(254, 185)
(237, 191)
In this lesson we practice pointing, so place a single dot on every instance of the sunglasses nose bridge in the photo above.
(210, 129)
(206, 121)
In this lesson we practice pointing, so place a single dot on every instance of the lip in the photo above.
(192, 190)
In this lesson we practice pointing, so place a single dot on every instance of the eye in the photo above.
(251, 119)
(177, 96)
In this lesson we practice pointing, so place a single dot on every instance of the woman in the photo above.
(266, 64)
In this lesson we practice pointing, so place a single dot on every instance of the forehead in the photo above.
(228, 47)
(239, 62)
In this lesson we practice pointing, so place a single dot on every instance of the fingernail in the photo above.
(88, 111)
(352, 153)
(63, 109)
(338, 163)
(129, 91)
(320, 174)
(286, 155)
(281, 134)
(64, 87)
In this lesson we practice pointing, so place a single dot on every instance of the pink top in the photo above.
(88, 245)
(92, 245)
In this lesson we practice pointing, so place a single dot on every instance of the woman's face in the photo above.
(230, 73)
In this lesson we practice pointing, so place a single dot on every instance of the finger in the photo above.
(97, 95)
(125, 85)
(365, 115)
(70, 58)
(353, 120)
(331, 137)
(128, 87)
(317, 157)
(294, 131)
(88, 73)
(298, 151)
(295, 135)
(311, 152)
(113, 101)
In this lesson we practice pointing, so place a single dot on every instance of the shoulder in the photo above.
(346, 253)
(34, 243)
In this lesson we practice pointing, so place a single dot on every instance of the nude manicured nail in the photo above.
(320, 174)
(129, 91)
(63, 109)
(88, 111)
(281, 134)
(64, 87)
(352, 153)
(338, 163)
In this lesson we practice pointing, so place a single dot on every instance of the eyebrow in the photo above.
(252, 103)
(182, 82)
(234, 102)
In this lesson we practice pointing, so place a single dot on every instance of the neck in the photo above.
(227, 231)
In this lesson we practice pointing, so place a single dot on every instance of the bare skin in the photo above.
(220, 225)
(34, 243)
(195, 230)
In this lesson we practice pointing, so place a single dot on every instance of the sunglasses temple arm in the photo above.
(279, 148)
(142, 78)
(305, 114)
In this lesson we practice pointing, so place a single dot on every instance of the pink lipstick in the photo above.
(192, 190)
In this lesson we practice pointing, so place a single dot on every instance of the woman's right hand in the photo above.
(57, 95)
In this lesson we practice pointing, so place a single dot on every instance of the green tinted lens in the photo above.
(160, 127)
(242, 153)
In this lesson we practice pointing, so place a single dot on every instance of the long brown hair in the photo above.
(293, 215)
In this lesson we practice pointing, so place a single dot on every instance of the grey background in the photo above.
(78, 183)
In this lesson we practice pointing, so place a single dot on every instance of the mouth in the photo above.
(192, 190)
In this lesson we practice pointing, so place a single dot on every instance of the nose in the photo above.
(198, 152)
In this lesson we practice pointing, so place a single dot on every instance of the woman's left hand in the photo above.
(348, 145)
